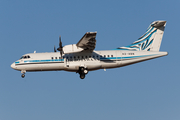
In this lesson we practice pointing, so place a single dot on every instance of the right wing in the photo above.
(88, 41)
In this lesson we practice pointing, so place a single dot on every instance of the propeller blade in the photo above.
(54, 49)
(60, 43)
(60, 47)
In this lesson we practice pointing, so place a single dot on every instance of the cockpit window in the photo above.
(22, 57)
(25, 57)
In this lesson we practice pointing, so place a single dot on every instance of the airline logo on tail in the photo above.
(151, 40)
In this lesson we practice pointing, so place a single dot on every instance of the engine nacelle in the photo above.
(71, 49)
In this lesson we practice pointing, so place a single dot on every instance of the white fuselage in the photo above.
(90, 60)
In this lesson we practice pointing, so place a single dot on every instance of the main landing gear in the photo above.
(23, 73)
(82, 72)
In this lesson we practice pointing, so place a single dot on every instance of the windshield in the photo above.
(22, 57)
(25, 57)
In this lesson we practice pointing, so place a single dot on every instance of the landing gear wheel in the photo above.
(82, 76)
(23, 75)
(85, 71)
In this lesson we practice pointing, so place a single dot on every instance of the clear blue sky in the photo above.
(144, 91)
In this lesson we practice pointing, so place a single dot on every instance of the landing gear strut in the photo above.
(82, 72)
(23, 73)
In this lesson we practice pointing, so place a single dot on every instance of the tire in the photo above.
(23, 75)
(82, 76)
(85, 71)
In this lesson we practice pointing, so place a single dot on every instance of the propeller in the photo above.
(60, 47)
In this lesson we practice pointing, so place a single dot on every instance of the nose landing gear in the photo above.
(82, 72)
(23, 73)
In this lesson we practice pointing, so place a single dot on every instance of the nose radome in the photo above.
(13, 65)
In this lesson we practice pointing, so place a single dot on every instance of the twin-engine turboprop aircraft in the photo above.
(82, 58)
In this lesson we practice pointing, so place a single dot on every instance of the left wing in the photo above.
(88, 41)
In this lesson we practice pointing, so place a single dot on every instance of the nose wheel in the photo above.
(82, 72)
(23, 73)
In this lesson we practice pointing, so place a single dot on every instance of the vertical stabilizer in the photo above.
(151, 40)
(159, 25)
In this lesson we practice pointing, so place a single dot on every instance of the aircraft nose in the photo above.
(13, 65)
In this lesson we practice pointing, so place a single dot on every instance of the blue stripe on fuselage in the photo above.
(51, 60)
(138, 56)
(108, 58)
(128, 57)
(39, 61)
(16, 62)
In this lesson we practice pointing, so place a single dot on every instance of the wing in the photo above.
(88, 41)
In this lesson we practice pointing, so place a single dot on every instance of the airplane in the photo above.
(82, 58)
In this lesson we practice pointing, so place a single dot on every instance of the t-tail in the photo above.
(151, 40)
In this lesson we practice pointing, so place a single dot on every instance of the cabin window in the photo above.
(111, 55)
(51, 57)
(104, 55)
(89, 56)
(108, 56)
(55, 57)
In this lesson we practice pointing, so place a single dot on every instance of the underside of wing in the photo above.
(88, 41)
